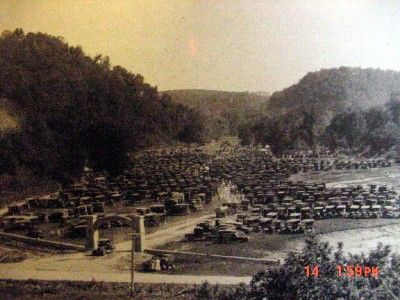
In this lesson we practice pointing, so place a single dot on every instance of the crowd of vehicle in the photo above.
(177, 181)
(271, 203)
(158, 184)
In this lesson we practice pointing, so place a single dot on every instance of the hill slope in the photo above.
(224, 111)
(302, 113)
(72, 109)
(338, 89)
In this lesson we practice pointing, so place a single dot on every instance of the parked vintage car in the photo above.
(104, 247)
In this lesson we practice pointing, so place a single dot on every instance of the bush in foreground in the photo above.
(289, 280)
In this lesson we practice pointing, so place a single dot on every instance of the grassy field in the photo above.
(259, 246)
(66, 290)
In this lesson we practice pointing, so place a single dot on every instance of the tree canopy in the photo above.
(344, 107)
(72, 108)
(336, 276)
(224, 112)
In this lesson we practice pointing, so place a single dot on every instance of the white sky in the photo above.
(227, 45)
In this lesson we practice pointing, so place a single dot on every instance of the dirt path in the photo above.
(170, 233)
(122, 277)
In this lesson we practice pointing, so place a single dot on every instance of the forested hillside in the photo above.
(224, 111)
(344, 107)
(60, 108)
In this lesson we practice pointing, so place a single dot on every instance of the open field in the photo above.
(389, 176)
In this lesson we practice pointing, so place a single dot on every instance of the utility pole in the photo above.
(133, 265)
(138, 243)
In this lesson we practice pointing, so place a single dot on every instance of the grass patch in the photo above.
(66, 290)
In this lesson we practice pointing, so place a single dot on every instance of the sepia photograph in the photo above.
(200, 149)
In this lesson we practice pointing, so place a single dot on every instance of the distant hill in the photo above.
(301, 113)
(338, 88)
(224, 111)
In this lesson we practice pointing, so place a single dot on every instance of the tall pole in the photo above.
(133, 265)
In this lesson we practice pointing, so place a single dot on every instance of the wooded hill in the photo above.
(61, 108)
(224, 111)
(327, 108)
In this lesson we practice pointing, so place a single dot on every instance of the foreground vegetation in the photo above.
(289, 281)
(63, 290)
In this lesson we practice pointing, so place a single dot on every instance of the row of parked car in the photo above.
(272, 203)
(181, 180)
(158, 183)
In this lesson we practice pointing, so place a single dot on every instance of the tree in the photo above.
(393, 107)
(289, 281)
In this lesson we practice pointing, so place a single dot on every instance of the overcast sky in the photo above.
(226, 45)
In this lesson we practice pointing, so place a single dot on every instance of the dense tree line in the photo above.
(71, 109)
(373, 131)
(344, 107)
(224, 112)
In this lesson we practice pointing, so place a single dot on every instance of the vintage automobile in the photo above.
(17, 223)
(376, 211)
(231, 236)
(390, 212)
(340, 210)
(365, 211)
(282, 213)
(330, 211)
(305, 212)
(354, 212)
(104, 247)
(265, 225)
(142, 211)
(319, 212)
(277, 226)
(308, 225)
(272, 215)
(295, 216)
(293, 226)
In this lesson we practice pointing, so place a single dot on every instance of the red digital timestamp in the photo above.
(349, 271)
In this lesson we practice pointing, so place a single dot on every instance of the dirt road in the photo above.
(167, 234)
(51, 274)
